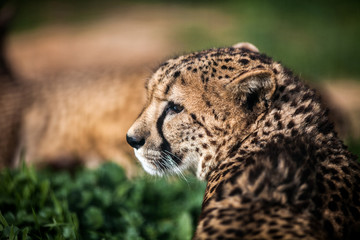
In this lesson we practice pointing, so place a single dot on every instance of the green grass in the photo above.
(99, 204)
(354, 146)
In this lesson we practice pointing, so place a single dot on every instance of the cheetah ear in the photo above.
(246, 45)
(252, 88)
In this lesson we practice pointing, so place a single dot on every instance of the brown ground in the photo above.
(134, 40)
(138, 36)
(116, 42)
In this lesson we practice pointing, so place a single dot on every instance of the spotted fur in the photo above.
(274, 166)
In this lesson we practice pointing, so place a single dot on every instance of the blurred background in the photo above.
(85, 63)
(318, 39)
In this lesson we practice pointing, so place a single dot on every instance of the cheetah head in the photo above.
(197, 105)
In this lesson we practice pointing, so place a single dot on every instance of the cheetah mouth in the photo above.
(147, 161)
(158, 163)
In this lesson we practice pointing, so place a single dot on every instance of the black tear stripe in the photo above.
(165, 145)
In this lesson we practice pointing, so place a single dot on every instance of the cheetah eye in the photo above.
(174, 108)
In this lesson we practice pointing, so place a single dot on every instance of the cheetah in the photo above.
(259, 136)
(66, 122)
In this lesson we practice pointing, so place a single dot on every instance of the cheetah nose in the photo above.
(135, 142)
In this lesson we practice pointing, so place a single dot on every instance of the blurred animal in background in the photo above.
(73, 118)
(78, 119)
(81, 118)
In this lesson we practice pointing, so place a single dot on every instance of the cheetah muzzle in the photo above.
(261, 138)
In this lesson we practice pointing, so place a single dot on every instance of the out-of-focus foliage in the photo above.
(354, 146)
(318, 39)
(100, 204)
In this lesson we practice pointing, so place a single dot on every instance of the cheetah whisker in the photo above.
(173, 165)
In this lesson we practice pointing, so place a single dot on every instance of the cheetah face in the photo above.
(164, 137)
(194, 107)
